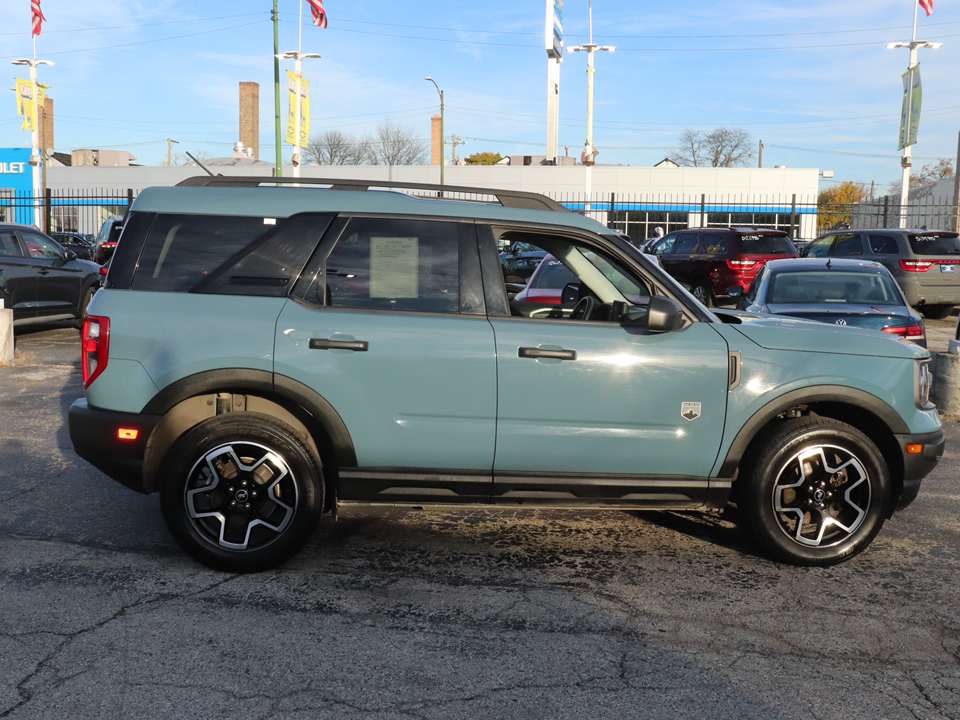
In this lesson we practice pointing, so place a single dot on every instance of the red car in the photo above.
(710, 260)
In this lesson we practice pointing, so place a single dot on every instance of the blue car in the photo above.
(836, 291)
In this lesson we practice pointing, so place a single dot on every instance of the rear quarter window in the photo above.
(765, 244)
(935, 244)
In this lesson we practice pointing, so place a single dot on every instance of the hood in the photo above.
(777, 332)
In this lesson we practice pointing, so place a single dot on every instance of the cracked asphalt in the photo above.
(402, 615)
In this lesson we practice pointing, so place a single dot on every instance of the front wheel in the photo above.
(815, 492)
(241, 492)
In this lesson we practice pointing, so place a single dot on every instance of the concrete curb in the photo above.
(6, 334)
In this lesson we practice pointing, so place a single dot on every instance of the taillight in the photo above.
(916, 265)
(543, 299)
(912, 332)
(742, 264)
(95, 349)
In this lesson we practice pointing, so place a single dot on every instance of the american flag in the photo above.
(38, 17)
(928, 6)
(320, 15)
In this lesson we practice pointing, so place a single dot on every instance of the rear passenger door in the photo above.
(392, 332)
(18, 278)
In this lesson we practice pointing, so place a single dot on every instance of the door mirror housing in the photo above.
(664, 314)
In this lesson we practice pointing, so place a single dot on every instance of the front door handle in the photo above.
(529, 352)
(324, 344)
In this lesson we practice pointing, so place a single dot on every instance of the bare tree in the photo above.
(180, 158)
(336, 148)
(722, 147)
(394, 145)
(921, 184)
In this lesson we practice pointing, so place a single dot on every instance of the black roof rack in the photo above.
(507, 198)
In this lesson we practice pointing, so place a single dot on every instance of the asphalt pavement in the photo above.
(400, 614)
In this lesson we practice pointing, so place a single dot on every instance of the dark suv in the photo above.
(709, 260)
(260, 354)
(107, 239)
(925, 263)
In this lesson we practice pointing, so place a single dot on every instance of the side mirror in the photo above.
(570, 294)
(664, 314)
(735, 291)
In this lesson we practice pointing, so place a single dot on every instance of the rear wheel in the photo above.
(241, 492)
(84, 302)
(702, 293)
(936, 312)
(815, 493)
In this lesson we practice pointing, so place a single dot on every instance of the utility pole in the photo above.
(454, 141)
(170, 143)
(760, 156)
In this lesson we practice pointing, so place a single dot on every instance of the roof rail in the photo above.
(507, 198)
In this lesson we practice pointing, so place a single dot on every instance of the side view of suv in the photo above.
(261, 354)
(712, 259)
(925, 263)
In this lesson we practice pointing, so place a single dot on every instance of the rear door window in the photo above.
(883, 244)
(687, 244)
(848, 245)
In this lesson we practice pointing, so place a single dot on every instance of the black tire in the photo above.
(815, 492)
(702, 293)
(84, 302)
(241, 492)
(935, 312)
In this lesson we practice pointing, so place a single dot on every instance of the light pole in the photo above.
(441, 124)
(907, 120)
(589, 151)
(297, 67)
(35, 157)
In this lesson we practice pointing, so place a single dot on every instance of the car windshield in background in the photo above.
(553, 274)
(765, 244)
(948, 244)
(832, 287)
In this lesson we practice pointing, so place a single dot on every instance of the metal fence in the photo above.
(637, 216)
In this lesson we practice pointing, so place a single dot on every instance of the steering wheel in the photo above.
(583, 309)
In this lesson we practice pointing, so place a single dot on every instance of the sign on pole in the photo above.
(910, 113)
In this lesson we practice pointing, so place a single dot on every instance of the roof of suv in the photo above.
(262, 196)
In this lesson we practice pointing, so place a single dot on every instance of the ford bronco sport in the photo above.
(261, 354)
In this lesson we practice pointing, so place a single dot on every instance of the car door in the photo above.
(59, 280)
(393, 335)
(18, 278)
(593, 408)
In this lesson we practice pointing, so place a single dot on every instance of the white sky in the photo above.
(812, 79)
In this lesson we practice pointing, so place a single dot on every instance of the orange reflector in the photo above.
(127, 433)
(914, 449)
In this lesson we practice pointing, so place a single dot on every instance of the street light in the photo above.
(441, 124)
(35, 158)
(907, 160)
(298, 57)
(589, 151)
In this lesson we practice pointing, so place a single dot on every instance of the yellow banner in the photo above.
(304, 109)
(25, 103)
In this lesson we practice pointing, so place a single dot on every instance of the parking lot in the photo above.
(481, 613)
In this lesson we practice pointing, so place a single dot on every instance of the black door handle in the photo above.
(528, 352)
(324, 344)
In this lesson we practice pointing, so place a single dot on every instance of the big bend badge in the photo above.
(690, 410)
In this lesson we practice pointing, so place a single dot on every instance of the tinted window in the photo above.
(714, 244)
(765, 244)
(819, 247)
(42, 247)
(665, 245)
(9, 245)
(183, 250)
(408, 265)
(847, 245)
(935, 244)
(686, 244)
(883, 244)
(833, 287)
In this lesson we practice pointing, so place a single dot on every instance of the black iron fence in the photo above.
(637, 216)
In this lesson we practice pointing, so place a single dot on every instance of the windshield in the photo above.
(935, 244)
(833, 287)
(765, 244)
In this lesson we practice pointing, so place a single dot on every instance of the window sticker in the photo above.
(393, 267)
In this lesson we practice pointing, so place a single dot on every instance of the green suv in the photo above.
(261, 354)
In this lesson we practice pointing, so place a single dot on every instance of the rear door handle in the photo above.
(324, 344)
(529, 352)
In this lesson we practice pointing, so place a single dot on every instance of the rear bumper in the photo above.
(917, 466)
(96, 437)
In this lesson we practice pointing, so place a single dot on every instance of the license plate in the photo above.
(948, 268)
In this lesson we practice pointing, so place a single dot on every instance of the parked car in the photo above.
(260, 354)
(841, 291)
(77, 242)
(40, 280)
(519, 265)
(107, 239)
(710, 260)
(925, 263)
